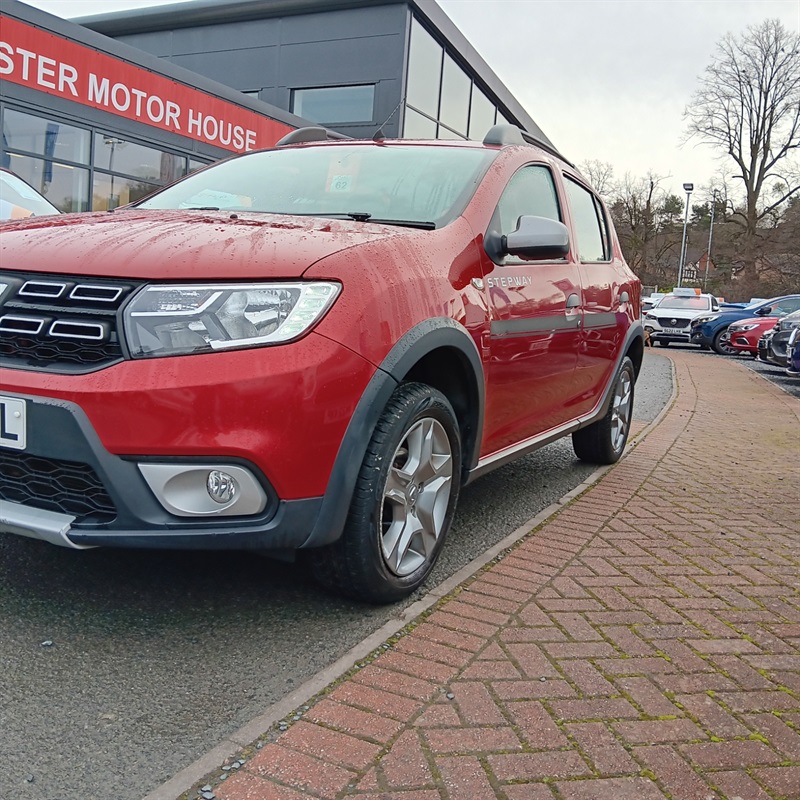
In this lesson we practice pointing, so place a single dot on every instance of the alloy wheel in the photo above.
(621, 408)
(416, 496)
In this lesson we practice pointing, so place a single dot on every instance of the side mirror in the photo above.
(764, 312)
(535, 239)
(715, 306)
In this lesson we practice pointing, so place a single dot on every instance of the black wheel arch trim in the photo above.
(423, 339)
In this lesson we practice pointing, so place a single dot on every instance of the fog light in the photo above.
(192, 490)
(221, 487)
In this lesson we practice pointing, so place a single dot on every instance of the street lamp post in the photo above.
(687, 187)
(710, 232)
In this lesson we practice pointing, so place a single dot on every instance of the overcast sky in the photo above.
(604, 79)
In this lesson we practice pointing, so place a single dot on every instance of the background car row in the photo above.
(714, 330)
(777, 345)
(769, 330)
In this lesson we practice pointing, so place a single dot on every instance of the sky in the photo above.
(606, 80)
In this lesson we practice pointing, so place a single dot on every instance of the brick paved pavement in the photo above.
(643, 643)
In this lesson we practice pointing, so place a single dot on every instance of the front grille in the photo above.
(53, 485)
(59, 323)
(673, 322)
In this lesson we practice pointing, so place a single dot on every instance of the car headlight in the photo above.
(177, 320)
(702, 320)
(743, 328)
(650, 316)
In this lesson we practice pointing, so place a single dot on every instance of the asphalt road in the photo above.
(119, 668)
(775, 374)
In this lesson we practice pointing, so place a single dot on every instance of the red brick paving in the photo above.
(644, 643)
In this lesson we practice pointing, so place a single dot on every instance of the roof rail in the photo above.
(505, 133)
(311, 133)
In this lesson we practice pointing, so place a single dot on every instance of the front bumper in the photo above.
(662, 330)
(277, 414)
(669, 337)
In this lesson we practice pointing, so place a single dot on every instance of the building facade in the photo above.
(100, 113)
(92, 123)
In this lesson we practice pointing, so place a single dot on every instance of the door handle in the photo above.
(573, 301)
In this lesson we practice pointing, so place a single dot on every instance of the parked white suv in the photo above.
(671, 319)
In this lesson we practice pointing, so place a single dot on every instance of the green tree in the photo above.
(671, 209)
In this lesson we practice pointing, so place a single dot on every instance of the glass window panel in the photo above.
(423, 184)
(501, 120)
(424, 71)
(196, 165)
(65, 186)
(417, 126)
(529, 192)
(112, 191)
(588, 230)
(481, 116)
(446, 133)
(335, 104)
(45, 137)
(121, 156)
(454, 107)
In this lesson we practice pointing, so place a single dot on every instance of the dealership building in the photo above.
(97, 114)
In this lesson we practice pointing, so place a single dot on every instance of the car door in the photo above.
(607, 294)
(534, 335)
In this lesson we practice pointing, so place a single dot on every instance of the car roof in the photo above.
(498, 136)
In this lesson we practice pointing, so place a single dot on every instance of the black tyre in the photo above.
(403, 503)
(721, 344)
(663, 342)
(603, 442)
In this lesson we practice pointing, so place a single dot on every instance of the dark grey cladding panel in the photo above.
(344, 24)
(226, 36)
(159, 43)
(245, 70)
(366, 60)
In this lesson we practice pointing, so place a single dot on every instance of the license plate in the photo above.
(12, 423)
(674, 331)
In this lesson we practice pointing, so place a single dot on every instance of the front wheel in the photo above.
(722, 344)
(404, 500)
(603, 441)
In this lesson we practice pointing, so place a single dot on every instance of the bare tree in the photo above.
(600, 175)
(749, 107)
(642, 211)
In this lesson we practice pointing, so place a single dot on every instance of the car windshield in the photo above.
(18, 200)
(696, 303)
(428, 185)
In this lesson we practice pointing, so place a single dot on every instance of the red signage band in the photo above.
(48, 63)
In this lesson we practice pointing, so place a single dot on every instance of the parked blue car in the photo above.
(711, 330)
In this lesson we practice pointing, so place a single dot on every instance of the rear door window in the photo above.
(590, 223)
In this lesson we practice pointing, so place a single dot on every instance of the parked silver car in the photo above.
(19, 199)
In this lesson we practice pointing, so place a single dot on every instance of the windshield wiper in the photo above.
(202, 208)
(408, 223)
(365, 216)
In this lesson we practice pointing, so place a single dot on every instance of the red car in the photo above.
(311, 348)
(745, 333)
